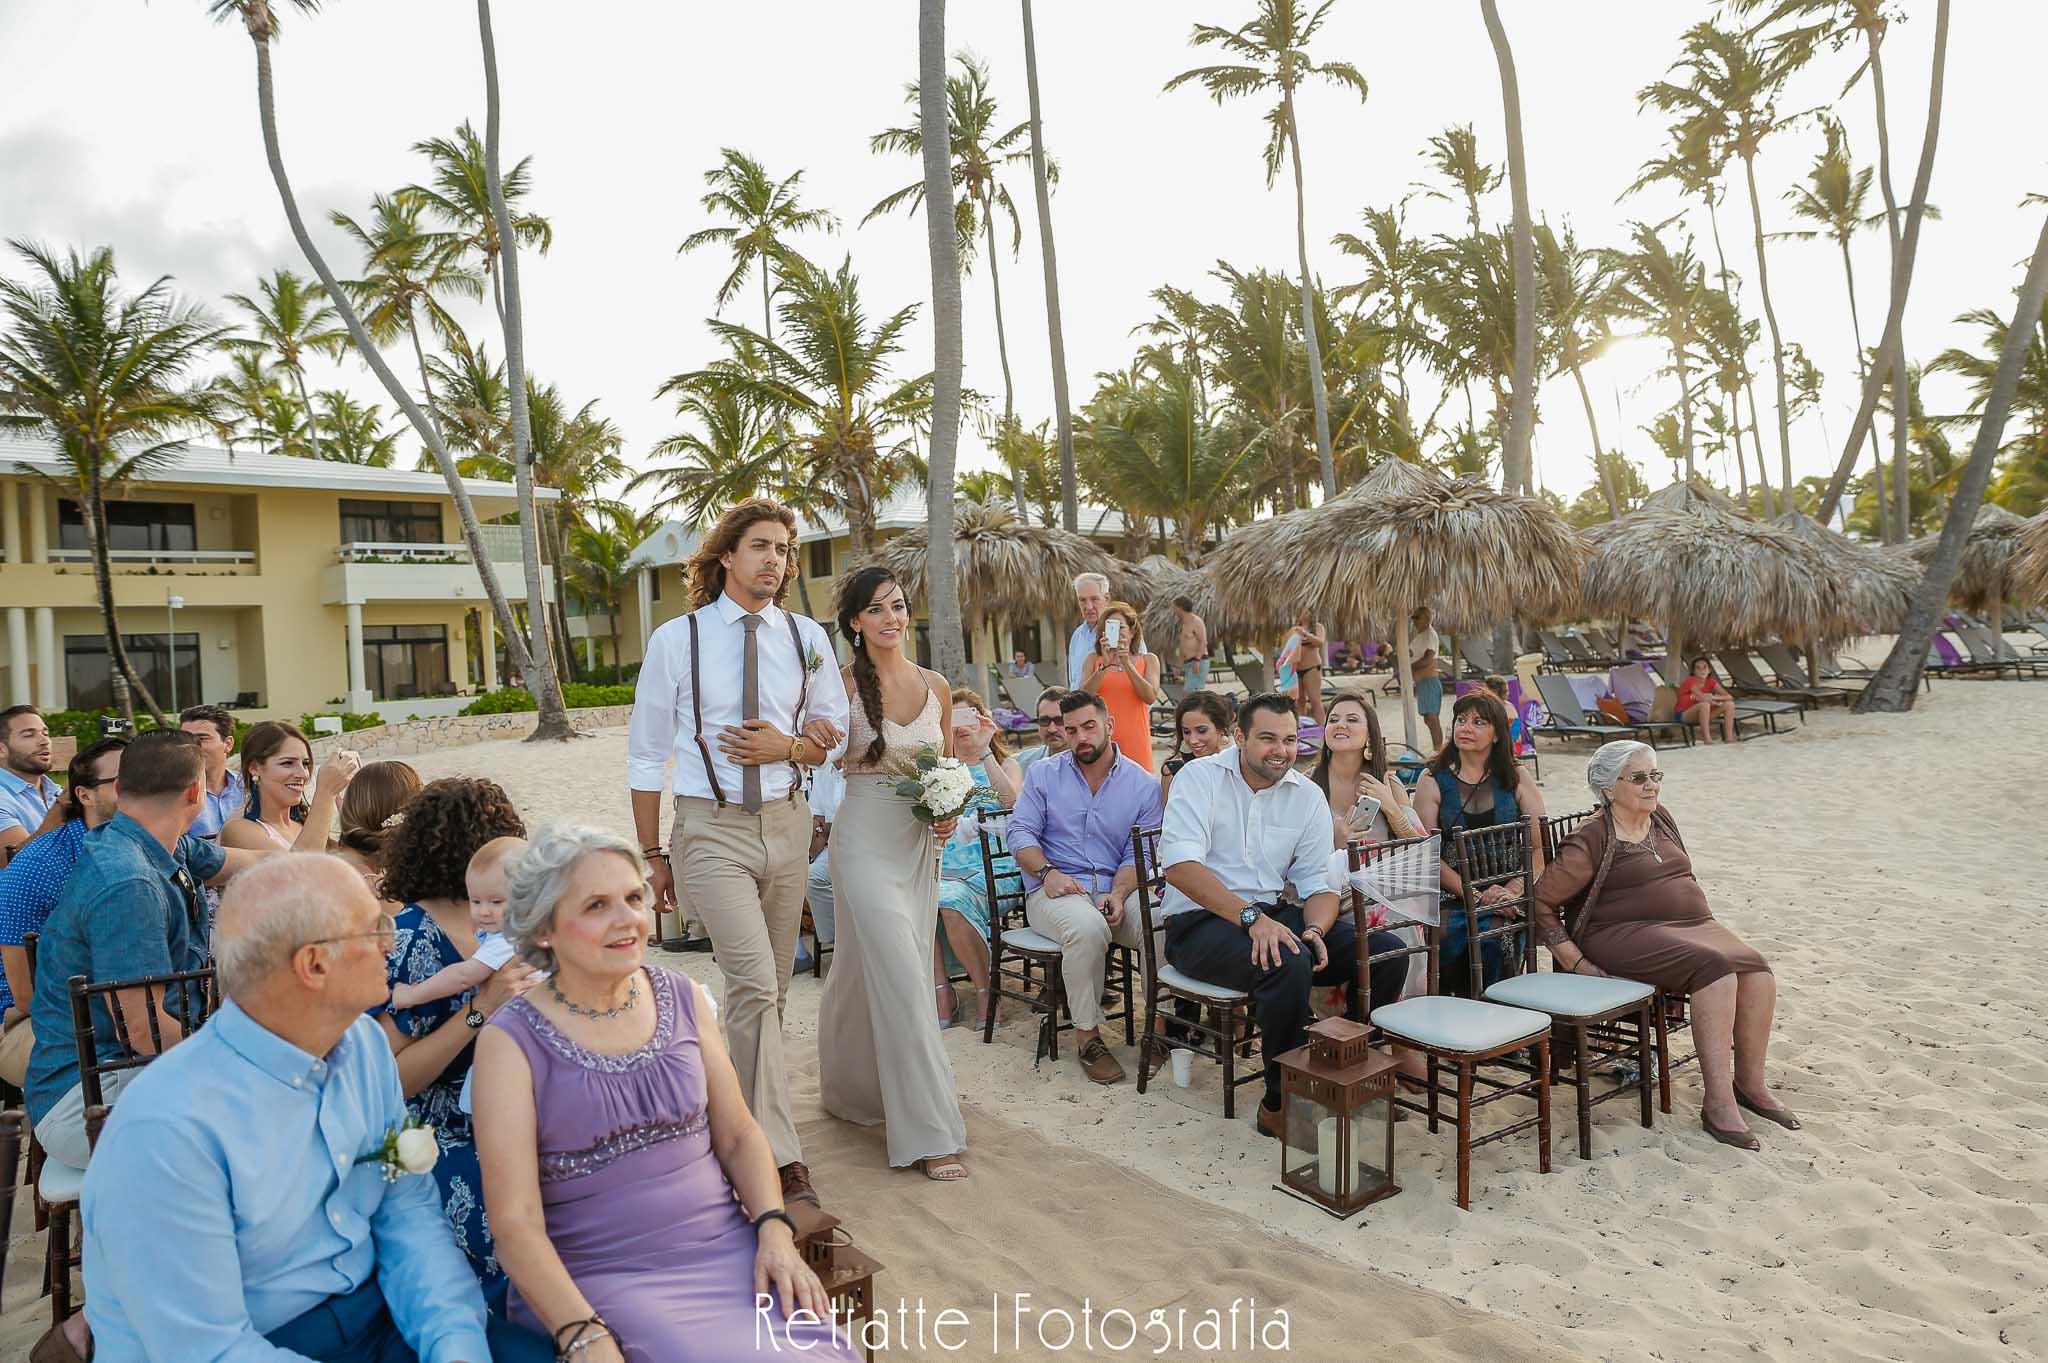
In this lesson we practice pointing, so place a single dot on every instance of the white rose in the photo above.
(417, 1149)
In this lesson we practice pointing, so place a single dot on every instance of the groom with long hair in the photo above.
(741, 695)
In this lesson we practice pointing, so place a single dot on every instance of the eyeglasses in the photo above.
(94, 785)
(1645, 778)
(1044, 720)
(386, 930)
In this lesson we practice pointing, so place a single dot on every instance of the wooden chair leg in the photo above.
(1585, 1094)
(57, 1263)
(1543, 1104)
(1663, 1055)
(1227, 1022)
(995, 988)
(1643, 1060)
(1130, 1014)
(1465, 1135)
(1432, 1095)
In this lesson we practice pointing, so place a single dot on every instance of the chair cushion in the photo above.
(1458, 1024)
(1030, 939)
(1565, 995)
(1188, 984)
(60, 1182)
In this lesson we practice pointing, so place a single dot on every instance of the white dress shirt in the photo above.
(664, 725)
(1257, 842)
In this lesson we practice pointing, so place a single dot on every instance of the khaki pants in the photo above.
(14, 1048)
(1084, 934)
(742, 876)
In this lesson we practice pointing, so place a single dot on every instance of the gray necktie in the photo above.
(750, 708)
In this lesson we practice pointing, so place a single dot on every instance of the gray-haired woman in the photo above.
(636, 1203)
(1637, 911)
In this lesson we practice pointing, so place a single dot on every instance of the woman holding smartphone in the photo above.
(1127, 678)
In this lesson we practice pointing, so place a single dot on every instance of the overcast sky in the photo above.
(134, 125)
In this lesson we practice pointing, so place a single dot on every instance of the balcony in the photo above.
(388, 571)
(156, 561)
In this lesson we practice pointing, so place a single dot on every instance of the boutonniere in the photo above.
(812, 662)
(407, 1149)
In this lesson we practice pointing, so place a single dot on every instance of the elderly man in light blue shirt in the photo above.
(26, 790)
(1091, 596)
(246, 1200)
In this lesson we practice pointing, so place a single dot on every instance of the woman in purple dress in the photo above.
(634, 1201)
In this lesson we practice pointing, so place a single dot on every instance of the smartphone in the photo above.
(1362, 813)
(1113, 633)
(966, 719)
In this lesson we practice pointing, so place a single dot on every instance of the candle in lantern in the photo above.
(1326, 1155)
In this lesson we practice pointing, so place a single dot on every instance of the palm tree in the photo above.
(1259, 358)
(352, 432)
(259, 20)
(472, 404)
(1056, 337)
(1833, 199)
(1730, 94)
(1396, 268)
(293, 318)
(1725, 339)
(1151, 452)
(978, 153)
(1898, 680)
(1517, 465)
(458, 193)
(936, 99)
(103, 374)
(1468, 292)
(1578, 293)
(243, 399)
(1178, 330)
(2023, 473)
(1272, 55)
(576, 454)
(764, 213)
(408, 270)
(596, 567)
(842, 431)
(1666, 290)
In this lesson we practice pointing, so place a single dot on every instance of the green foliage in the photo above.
(512, 700)
(612, 675)
(84, 725)
(349, 722)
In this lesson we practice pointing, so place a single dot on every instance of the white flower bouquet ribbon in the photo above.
(941, 787)
(1405, 883)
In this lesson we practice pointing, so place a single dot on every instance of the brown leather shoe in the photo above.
(1741, 1140)
(1272, 1122)
(796, 1184)
(1099, 1065)
(1783, 1116)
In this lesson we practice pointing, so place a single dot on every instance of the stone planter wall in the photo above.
(455, 731)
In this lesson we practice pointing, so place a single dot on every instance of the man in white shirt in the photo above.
(1091, 597)
(1428, 673)
(1245, 829)
(741, 695)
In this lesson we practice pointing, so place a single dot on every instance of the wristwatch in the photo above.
(473, 1019)
(1248, 915)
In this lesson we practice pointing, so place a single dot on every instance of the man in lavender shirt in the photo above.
(1071, 836)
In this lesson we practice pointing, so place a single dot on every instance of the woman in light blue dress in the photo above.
(965, 905)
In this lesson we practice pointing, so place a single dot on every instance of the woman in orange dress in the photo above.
(1127, 679)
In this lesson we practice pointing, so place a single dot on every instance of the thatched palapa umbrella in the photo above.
(1988, 575)
(1407, 537)
(1872, 587)
(1005, 566)
(2031, 570)
(1710, 576)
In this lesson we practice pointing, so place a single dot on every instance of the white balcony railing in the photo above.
(501, 542)
(189, 556)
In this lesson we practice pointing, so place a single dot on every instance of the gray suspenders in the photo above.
(803, 695)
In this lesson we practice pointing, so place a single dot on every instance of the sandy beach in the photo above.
(1890, 867)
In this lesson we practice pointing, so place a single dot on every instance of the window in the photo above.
(88, 671)
(145, 526)
(402, 662)
(821, 558)
(390, 522)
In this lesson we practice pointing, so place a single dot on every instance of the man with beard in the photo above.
(26, 790)
(1071, 836)
(1242, 829)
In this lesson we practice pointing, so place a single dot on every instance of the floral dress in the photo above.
(963, 889)
(423, 949)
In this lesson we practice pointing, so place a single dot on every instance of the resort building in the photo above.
(278, 585)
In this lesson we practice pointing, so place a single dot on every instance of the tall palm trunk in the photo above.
(542, 681)
(995, 281)
(1884, 521)
(1734, 416)
(1317, 393)
(1763, 468)
(1684, 404)
(125, 682)
(1763, 288)
(1898, 526)
(428, 430)
(1898, 680)
(1516, 463)
(1571, 358)
(1902, 269)
(557, 549)
(312, 426)
(1748, 382)
(1063, 418)
(949, 647)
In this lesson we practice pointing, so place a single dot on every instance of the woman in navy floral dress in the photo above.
(425, 861)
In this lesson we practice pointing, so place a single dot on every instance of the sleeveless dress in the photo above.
(1494, 806)
(637, 1205)
(1132, 716)
(880, 1059)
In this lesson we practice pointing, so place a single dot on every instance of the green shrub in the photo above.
(611, 674)
(512, 700)
(506, 700)
(349, 722)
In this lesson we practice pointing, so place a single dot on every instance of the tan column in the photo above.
(487, 642)
(10, 520)
(17, 656)
(38, 527)
(49, 681)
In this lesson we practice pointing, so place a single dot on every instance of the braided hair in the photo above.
(857, 591)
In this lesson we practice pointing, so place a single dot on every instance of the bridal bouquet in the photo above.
(941, 789)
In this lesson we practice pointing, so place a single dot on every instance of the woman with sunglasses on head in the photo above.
(1201, 728)
(1635, 910)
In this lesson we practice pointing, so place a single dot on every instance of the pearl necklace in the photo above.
(632, 997)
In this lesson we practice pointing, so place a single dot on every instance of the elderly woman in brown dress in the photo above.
(1625, 882)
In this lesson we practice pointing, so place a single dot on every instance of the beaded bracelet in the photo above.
(582, 1339)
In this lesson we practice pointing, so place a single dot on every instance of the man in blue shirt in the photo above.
(130, 909)
(1071, 835)
(1091, 595)
(225, 793)
(34, 880)
(26, 790)
(239, 1204)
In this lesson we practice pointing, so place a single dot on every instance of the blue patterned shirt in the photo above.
(207, 1228)
(32, 884)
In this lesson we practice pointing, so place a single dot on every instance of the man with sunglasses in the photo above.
(1052, 736)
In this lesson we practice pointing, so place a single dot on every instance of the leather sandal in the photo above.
(942, 1168)
(1741, 1140)
(1783, 1116)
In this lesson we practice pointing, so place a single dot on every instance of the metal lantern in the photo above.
(847, 1275)
(1338, 1099)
